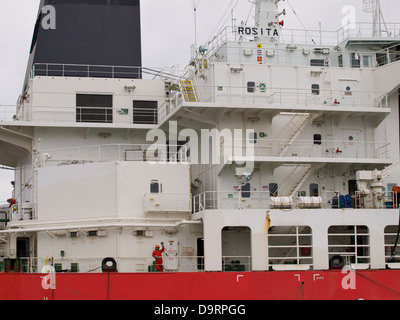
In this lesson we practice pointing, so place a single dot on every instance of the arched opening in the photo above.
(236, 249)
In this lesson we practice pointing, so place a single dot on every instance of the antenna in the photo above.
(374, 7)
(195, 5)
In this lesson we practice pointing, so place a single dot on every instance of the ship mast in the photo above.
(267, 14)
(195, 4)
(374, 7)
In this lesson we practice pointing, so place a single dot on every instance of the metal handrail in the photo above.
(136, 264)
(232, 200)
(114, 152)
(107, 71)
(309, 148)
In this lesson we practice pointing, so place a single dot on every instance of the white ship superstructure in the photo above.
(274, 150)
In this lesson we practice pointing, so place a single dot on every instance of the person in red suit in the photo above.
(157, 254)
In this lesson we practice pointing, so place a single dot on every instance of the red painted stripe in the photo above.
(310, 285)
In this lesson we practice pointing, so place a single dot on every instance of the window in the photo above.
(317, 62)
(367, 61)
(92, 233)
(253, 137)
(314, 192)
(340, 61)
(273, 189)
(315, 89)
(94, 108)
(246, 191)
(290, 245)
(355, 60)
(145, 112)
(392, 253)
(348, 244)
(200, 253)
(74, 234)
(155, 187)
(251, 87)
(23, 247)
(317, 139)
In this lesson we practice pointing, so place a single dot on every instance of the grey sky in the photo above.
(167, 34)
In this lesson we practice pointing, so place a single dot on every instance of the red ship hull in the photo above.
(310, 285)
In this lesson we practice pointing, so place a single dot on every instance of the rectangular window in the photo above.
(74, 234)
(340, 59)
(246, 191)
(94, 108)
(251, 87)
(290, 245)
(348, 244)
(392, 253)
(367, 61)
(355, 60)
(23, 247)
(317, 63)
(92, 233)
(253, 137)
(273, 189)
(315, 89)
(145, 112)
(314, 192)
(317, 139)
(155, 186)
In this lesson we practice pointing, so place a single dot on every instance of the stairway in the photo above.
(293, 128)
(295, 180)
(188, 91)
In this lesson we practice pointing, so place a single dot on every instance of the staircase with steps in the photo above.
(188, 90)
(291, 185)
(292, 130)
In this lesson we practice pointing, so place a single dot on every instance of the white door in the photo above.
(352, 147)
(171, 260)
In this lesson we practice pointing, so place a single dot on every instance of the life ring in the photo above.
(336, 262)
(109, 265)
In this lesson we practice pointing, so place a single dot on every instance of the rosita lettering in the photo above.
(254, 31)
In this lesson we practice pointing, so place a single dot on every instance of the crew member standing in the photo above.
(157, 254)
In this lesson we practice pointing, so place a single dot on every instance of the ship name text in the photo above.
(256, 31)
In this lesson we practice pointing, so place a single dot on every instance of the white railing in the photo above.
(138, 264)
(21, 211)
(388, 200)
(7, 112)
(301, 36)
(235, 95)
(105, 71)
(236, 263)
(290, 36)
(114, 152)
(239, 96)
(366, 30)
(234, 200)
(81, 114)
(290, 97)
(388, 55)
(213, 200)
(309, 149)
